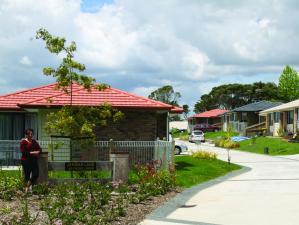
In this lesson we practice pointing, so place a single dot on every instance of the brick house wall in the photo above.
(136, 126)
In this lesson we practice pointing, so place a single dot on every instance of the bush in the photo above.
(225, 143)
(151, 182)
(175, 131)
(184, 137)
(231, 144)
(204, 155)
(10, 183)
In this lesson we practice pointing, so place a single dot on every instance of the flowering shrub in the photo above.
(151, 181)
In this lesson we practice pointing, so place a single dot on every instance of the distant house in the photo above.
(145, 119)
(285, 116)
(246, 116)
(211, 117)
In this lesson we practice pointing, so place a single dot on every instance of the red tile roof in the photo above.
(209, 114)
(48, 96)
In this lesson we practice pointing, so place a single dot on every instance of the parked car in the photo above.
(179, 146)
(204, 127)
(197, 135)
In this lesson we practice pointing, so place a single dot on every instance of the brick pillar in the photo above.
(43, 168)
(120, 166)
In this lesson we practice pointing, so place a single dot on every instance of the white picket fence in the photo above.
(140, 152)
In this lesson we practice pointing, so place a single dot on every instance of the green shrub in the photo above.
(174, 131)
(280, 132)
(151, 182)
(226, 143)
(231, 144)
(204, 155)
(184, 137)
(10, 182)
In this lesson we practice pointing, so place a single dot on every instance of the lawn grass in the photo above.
(217, 135)
(191, 171)
(181, 135)
(277, 146)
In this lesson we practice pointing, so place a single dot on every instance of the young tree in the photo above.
(289, 84)
(73, 121)
(166, 94)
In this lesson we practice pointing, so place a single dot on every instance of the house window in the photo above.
(276, 117)
(290, 117)
(12, 125)
(234, 117)
(243, 117)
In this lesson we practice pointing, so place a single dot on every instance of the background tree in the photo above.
(73, 121)
(166, 94)
(289, 84)
(186, 111)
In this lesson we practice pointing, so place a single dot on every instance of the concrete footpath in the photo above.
(264, 192)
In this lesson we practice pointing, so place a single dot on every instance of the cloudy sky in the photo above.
(139, 46)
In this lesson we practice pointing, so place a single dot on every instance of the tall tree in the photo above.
(166, 94)
(289, 84)
(230, 96)
(73, 121)
(186, 111)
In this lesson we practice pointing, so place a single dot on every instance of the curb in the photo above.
(180, 199)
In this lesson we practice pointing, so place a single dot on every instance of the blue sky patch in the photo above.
(93, 6)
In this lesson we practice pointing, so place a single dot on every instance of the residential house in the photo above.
(247, 116)
(145, 119)
(212, 117)
(283, 118)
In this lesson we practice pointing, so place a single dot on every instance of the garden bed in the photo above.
(111, 203)
(85, 203)
(135, 213)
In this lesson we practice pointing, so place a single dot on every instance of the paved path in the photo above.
(266, 192)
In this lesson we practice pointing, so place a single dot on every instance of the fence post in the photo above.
(43, 168)
(164, 160)
(156, 153)
(110, 146)
(172, 168)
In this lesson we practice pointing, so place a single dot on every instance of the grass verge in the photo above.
(191, 171)
(277, 146)
(218, 135)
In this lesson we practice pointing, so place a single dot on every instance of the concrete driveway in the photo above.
(266, 192)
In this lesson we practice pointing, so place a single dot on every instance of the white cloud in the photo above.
(144, 91)
(139, 45)
(26, 61)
